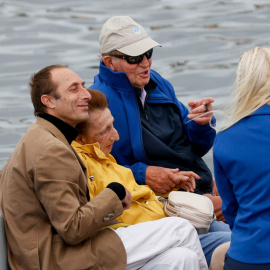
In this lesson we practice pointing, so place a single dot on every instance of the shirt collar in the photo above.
(149, 88)
(68, 131)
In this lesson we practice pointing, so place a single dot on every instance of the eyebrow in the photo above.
(76, 84)
(106, 127)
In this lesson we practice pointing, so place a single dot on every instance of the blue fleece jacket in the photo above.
(129, 151)
(242, 172)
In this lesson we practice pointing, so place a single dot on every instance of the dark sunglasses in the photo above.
(134, 59)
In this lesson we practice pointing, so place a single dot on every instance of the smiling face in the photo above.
(100, 129)
(138, 74)
(71, 106)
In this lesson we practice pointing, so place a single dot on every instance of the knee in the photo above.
(218, 256)
(183, 256)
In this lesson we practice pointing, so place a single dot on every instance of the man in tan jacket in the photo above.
(50, 221)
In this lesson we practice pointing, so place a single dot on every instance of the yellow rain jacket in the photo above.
(103, 170)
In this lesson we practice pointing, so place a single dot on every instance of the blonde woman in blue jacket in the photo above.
(241, 161)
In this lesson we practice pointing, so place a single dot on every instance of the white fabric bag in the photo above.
(197, 209)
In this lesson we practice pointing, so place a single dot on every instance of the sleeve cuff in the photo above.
(118, 189)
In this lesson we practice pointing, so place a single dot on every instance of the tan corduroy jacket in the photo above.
(49, 222)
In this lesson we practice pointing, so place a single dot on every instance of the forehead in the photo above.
(100, 118)
(64, 77)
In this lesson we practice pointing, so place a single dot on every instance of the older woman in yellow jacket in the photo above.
(102, 170)
(94, 145)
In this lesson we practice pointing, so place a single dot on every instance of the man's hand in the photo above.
(161, 180)
(126, 202)
(200, 107)
(188, 182)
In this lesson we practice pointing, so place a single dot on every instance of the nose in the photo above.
(85, 93)
(145, 62)
(115, 135)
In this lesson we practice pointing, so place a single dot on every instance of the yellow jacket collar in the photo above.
(91, 150)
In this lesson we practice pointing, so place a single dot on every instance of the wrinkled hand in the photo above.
(200, 107)
(126, 202)
(161, 180)
(188, 182)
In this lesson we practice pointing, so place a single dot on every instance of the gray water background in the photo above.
(201, 45)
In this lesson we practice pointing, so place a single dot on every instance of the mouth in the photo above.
(109, 147)
(145, 73)
(83, 106)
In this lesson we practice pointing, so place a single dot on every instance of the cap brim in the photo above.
(139, 47)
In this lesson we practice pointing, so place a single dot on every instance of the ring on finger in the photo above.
(206, 108)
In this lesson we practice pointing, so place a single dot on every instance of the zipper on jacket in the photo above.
(146, 116)
(144, 110)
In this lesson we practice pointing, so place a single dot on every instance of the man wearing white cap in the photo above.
(156, 140)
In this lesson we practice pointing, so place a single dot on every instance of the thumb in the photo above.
(174, 170)
(192, 103)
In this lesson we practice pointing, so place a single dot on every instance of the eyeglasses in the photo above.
(134, 59)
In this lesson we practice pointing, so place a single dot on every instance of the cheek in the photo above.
(131, 73)
(104, 140)
(103, 147)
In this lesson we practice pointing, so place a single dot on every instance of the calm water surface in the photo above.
(201, 45)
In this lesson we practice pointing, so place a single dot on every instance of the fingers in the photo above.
(203, 108)
(159, 179)
(190, 184)
(201, 111)
(188, 180)
(190, 173)
(126, 202)
(204, 101)
(188, 187)
(163, 180)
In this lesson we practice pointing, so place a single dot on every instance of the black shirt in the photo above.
(68, 131)
(165, 142)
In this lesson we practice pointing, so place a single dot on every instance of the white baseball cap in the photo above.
(123, 34)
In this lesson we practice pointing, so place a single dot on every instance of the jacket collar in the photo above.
(59, 135)
(113, 78)
(149, 88)
(68, 131)
(92, 150)
(52, 129)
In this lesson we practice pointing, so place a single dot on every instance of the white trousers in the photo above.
(169, 243)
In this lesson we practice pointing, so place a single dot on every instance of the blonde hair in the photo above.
(252, 86)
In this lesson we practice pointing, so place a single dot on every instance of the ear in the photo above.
(108, 61)
(48, 101)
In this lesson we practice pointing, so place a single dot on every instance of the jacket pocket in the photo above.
(77, 257)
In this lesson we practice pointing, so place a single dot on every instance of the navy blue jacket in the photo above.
(129, 150)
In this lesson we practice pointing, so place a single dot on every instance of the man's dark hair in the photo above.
(41, 84)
